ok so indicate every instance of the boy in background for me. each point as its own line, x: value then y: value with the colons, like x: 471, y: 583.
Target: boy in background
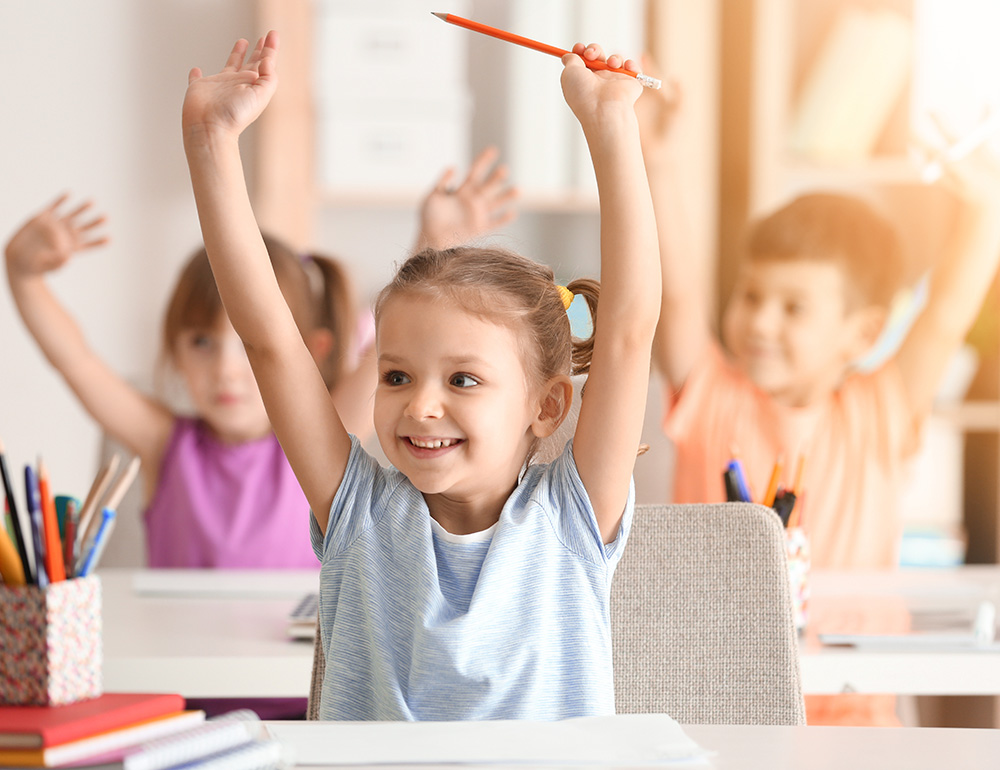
x: 812, y: 294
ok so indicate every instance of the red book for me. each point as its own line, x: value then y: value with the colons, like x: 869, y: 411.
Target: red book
x: 34, y: 727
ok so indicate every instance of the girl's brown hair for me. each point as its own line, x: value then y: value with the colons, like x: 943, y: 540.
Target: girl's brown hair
x: 319, y: 301
x: 507, y: 289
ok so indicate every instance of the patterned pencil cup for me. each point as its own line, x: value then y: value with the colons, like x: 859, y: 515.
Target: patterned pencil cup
x: 50, y: 643
x: 797, y: 545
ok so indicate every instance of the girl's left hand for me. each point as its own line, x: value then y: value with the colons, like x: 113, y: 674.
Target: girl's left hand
x: 231, y: 100
x: 586, y: 90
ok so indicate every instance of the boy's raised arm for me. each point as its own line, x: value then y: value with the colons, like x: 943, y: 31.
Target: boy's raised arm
x: 216, y: 110
x: 959, y: 281
x: 611, y: 415
x: 683, y: 330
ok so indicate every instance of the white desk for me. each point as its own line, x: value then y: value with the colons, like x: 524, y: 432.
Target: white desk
x: 849, y: 601
x: 222, y: 634
x: 212, y: 641
x: 816, y: 748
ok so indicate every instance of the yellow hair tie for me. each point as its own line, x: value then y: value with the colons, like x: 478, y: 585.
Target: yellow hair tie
x: 566, y: 295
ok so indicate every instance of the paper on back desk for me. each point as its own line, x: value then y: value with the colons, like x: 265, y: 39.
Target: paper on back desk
x: 622, y: 740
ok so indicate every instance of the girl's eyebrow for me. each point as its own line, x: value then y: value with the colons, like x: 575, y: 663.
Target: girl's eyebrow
x: 460, y: 360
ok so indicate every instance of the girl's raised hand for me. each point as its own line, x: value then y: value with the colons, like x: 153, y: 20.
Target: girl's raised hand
x: 48, y: 240
x: 587, y: 90
x: 451, y: 216
x: 231, y: 100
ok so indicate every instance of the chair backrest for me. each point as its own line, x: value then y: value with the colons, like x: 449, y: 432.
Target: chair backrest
x: 701, y: 617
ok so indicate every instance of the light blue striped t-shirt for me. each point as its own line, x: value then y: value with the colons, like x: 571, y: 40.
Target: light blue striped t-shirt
x: 417, y: 624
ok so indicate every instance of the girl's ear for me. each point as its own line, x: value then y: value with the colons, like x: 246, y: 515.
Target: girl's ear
x: 557, y: 398
x: 320, y: 344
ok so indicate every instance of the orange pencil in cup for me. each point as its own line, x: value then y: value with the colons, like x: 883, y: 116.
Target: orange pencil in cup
x: 772, y: 485
x: 527, y: 42
x: 53, y: 545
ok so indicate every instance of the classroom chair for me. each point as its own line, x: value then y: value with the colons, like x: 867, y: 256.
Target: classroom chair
x: 701, y: 619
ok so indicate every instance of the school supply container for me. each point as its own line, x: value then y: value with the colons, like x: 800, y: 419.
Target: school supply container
x: 797, y: 545
x: 50, y: 642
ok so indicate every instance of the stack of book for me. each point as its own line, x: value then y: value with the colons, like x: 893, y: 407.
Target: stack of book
x: 132, y: 731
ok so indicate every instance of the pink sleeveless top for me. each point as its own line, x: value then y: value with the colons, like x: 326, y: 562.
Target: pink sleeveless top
x: 226, y: 506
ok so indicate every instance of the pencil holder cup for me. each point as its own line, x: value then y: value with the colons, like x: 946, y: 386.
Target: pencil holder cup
x: 797, y: 547
x: 50, y: 643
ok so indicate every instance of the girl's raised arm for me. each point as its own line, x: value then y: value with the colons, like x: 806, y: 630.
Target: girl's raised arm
x: 216, y: 110
x: 611, y: 415
x: 45, y: 243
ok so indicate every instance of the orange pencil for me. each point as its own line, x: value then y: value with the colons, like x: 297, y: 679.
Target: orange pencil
x: 797, y: 489
x: 772, y: 485
x: 527, y: 42
x: 50, y: 525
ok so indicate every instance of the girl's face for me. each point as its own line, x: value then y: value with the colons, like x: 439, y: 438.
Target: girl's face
x: 219, y: 380
x: 789, y: 328
x: 453, y: 408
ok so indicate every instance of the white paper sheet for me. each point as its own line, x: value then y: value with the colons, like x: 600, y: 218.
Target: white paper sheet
x: 627, y: 740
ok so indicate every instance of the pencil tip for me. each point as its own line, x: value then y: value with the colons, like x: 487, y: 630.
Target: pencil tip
x: 439, y: 15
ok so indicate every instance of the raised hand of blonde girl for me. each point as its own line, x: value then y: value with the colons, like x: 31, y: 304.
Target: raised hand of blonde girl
x: 229, y: 101
x: 48, y: 240
x: 588, y: 90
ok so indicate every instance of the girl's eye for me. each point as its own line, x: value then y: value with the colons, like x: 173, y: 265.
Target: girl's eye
x: 463, y: 381
x: 201, y: 341
x: 395, y: 378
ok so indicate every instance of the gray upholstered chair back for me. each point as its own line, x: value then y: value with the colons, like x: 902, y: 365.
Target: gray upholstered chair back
x: 701, y: 617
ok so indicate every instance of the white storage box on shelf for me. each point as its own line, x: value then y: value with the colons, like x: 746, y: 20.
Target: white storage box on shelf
x: 365, y: 51
x: 398, y: 147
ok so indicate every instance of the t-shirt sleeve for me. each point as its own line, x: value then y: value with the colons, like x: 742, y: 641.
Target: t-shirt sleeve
x: 561, y: 494
x: 355, y: 507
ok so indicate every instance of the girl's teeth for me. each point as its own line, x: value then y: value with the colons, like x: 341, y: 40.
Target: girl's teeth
x: 432, y: 444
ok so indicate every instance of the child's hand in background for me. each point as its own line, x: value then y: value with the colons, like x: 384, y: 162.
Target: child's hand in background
x: 482, y: 202
x: 48, y: 240
x: 588, y: 92
x: 231, y: 100
x: 657, y: 110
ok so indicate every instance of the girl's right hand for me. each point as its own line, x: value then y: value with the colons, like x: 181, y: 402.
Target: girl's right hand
x: 228, y: 102
x: 48, y: 240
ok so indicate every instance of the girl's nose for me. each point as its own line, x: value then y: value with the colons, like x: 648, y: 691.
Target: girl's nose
x: 231, y: 359
x: 425, y: 404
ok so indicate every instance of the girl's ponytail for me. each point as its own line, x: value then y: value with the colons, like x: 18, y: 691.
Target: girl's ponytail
x: 583, y: 348
x: 335, y: 311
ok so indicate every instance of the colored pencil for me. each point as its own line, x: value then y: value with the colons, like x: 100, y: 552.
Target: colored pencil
x: 89, y: 506
x: 799, y: 471
x: 69, y: 539
x: 19, y: 526
x: 50, y: 527
x: 34, y: 507
x: 114, y: 498
x: 11, y: 569
x: 772, y: 485
x: 527, y: 42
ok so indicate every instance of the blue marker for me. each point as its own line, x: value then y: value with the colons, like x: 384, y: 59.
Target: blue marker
x: 37, y: 528
x: 100, y: 539
x: 736, y: 467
